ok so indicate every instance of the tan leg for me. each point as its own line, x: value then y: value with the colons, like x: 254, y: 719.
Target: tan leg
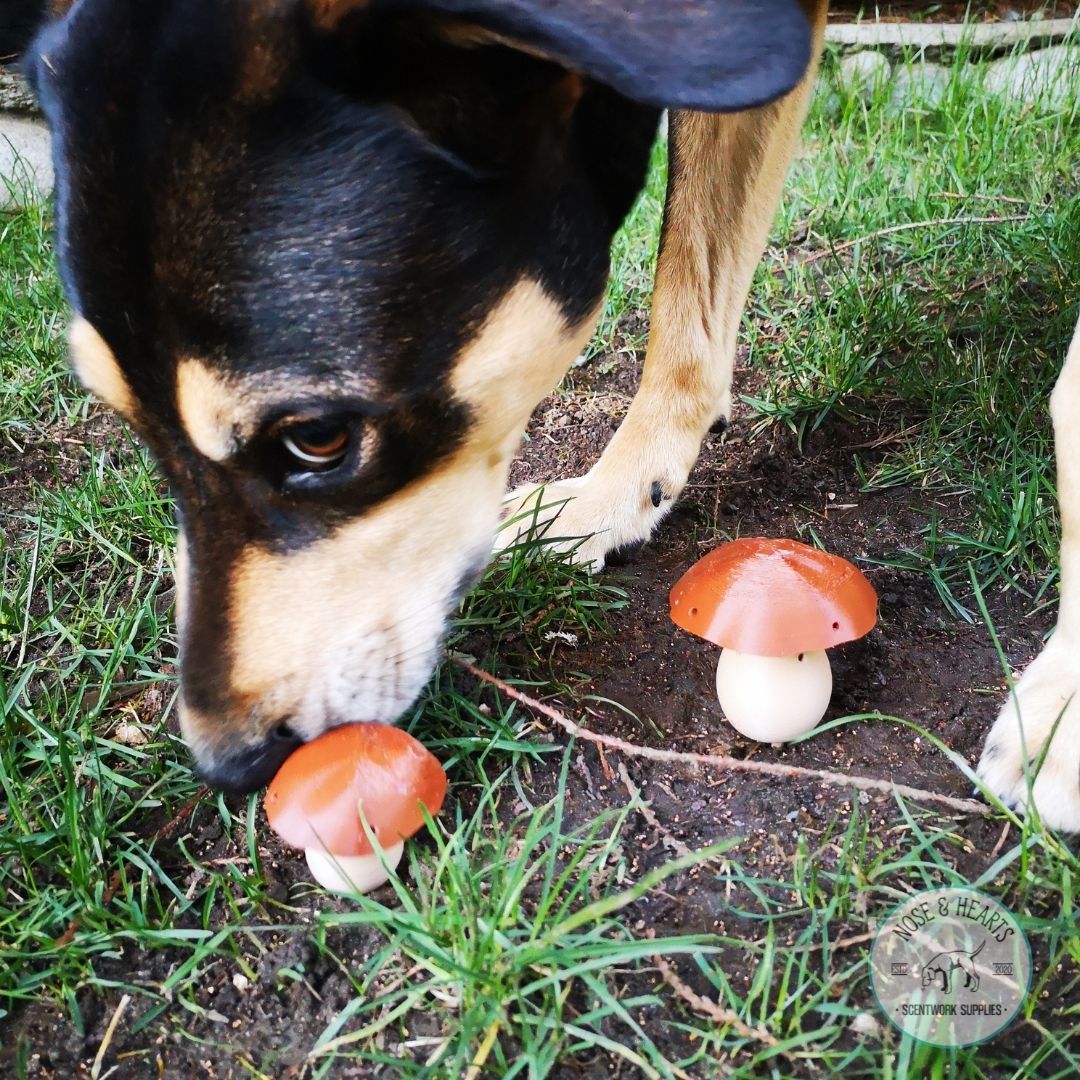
x: 1048, y: 694
x: 726, y: 176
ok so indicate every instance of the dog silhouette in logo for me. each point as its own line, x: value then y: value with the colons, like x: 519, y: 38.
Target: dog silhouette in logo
x: 942, y: 966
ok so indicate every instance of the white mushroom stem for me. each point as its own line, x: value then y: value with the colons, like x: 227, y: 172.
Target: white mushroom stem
x: 773, y: 698
x: 351, y: 874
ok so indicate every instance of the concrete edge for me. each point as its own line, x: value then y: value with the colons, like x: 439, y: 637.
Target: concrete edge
x: 947, y: 37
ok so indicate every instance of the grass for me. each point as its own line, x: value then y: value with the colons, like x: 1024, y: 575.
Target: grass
x: 516, y: 944
x: 512, y: 920
x: 948, y: 334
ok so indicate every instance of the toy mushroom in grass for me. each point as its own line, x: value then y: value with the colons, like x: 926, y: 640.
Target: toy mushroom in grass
x: 318, y: 796
x: 775, y: 606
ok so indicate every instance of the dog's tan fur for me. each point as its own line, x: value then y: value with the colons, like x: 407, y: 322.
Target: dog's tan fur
x: 1065, y: 410
x: 326, y: 14
x: 215, y: 412
x: 1043, y: 717
x: 727, y: 175
x: 97, y: 369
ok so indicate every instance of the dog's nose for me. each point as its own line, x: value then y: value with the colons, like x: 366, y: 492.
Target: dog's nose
x: 253, y: 766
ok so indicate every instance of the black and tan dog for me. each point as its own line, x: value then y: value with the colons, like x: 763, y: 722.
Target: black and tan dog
x: 327, y: 255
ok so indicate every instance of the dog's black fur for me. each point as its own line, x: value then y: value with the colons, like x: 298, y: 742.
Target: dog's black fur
x: 363, y: 218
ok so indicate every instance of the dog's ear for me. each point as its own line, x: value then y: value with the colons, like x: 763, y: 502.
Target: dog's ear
x: 712, y: 55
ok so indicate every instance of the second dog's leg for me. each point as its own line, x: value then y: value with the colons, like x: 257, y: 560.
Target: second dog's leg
x: 726, y: 173
x: 1043, y: 716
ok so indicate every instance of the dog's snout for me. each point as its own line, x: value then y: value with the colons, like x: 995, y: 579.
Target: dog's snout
x: 251, y: 767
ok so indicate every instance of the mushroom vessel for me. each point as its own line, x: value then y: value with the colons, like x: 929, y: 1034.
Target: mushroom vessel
x: 371, y: 771
x: 774, y: 606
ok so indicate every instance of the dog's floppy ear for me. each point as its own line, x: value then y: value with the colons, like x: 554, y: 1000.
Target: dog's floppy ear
x: 713, y: 55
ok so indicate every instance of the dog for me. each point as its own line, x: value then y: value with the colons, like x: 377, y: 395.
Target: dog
x: 940, y: 969
x: 326, y: 256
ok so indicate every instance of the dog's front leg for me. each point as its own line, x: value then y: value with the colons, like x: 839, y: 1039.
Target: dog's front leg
x: 1043, y: 715
x: 725, y: 178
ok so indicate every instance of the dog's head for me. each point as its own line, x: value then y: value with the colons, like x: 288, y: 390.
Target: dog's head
x: 326, y: 257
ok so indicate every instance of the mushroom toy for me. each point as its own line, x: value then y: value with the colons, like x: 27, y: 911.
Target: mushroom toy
x: 318, y: 796
x: 774, y: 606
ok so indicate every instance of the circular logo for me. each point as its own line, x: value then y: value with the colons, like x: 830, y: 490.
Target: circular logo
x: 950, y: 967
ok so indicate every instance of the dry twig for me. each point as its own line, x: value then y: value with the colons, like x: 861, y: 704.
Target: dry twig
x: 907, y: 227
x: 829, y: 946
x: 649, y: 814
x: 706, y: 1007
x: 721, y: 761
x: 99, y: 1057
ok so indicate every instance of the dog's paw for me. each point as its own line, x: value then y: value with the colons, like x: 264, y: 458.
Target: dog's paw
x: 1048, y: 690
x: 584, y: 517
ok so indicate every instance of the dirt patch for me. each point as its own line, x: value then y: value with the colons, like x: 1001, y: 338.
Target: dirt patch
x: 919, y: 663
x: 56, y: 457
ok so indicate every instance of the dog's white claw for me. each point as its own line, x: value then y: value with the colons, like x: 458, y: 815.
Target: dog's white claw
x: 1048, y: 689
x: 581, y: 516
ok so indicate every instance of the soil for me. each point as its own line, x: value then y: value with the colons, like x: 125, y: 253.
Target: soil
x: 920, y: 662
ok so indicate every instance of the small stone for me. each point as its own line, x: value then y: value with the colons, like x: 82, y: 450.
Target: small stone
x: 865, y: 1025
x: 920, y: 84
x: 15, y: 96
x: 864, y: 70
x: 1044, y: 76
x: 129, y: 734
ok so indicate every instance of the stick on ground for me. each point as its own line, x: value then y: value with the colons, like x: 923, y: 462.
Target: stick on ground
x: 721, y: 761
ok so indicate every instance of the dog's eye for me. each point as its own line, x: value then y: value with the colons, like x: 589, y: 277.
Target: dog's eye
x: 317, y: 444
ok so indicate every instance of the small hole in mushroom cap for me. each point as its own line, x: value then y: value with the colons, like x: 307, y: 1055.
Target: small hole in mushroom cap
x: 801, y: 655
x: 693, y: 611
x: 836, y: 626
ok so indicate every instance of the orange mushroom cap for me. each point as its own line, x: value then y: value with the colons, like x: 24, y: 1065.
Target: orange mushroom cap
x: 774, y: 598
x: 316, y: 797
